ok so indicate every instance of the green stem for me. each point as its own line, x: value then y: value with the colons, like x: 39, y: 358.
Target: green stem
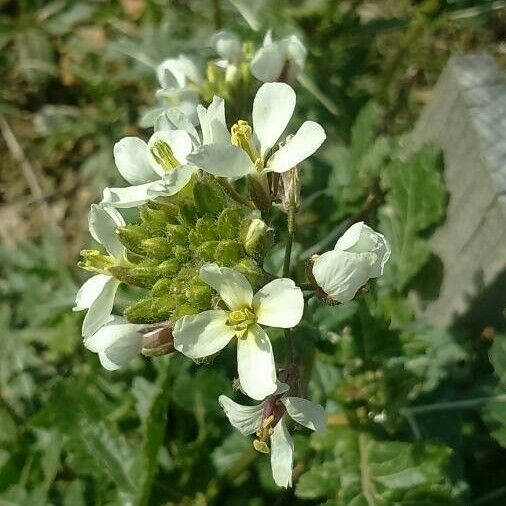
x: 233, y: 193
x: 286, y: 269
x: 216, y: 14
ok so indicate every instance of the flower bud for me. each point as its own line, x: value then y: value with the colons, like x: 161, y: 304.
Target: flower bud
x: 141, y: 276
x: 360, y: 254
x: 209, y: 197
x: 256, y: 237
x: 228, y: 252
x: 157, y: 247
x: 157, y: 341
x: 131, y: 237
x: 151, y: 309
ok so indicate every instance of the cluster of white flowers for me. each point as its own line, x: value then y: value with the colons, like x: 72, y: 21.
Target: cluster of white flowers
x: 190, y: 141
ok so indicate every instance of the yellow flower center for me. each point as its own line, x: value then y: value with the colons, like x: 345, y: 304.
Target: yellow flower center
x: 242, y: 136
x: 164, y: 155
x: 240, y: 320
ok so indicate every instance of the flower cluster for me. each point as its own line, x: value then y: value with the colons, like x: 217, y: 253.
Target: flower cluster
x: 205, y: 193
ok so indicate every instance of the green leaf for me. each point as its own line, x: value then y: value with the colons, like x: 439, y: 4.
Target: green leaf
x: 414, y: 202
x: 154, y: 428
x: 360, y: 470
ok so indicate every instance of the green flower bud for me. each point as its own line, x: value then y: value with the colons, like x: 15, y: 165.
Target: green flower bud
x: 168, y: 268
x: 94, y: 261
x: 157, y: 247
x: 177, y: 234
x: 209, y: 197
x: 228, y: 252
x: 205, y: 229
x: 207, y: 250
x: 144, y: 277
x: 199, y: 293
x: 229, y: 222
x: 181, y: 253
x: 154, y: 219
x: 256, y: 237
x: 251, y: 270
x: 184, y: 310
x: 131, y: 237
x: 151, y: 310
x: 187, y: 213
x: 161, y: 287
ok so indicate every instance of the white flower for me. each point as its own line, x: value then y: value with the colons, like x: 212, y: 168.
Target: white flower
x: 229, y: 48
x: 267, y: 421
x: 179, y: 79
x: 153, y: 169
x: 278, y: 304
x: 249, y: 150
x: 282, y: 60
x: 116, y: 343
x: 97, y: 293
x: 360, y: 254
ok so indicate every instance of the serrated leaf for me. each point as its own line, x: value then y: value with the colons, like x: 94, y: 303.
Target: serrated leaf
x: 415, y: 201
x: 359, y: 469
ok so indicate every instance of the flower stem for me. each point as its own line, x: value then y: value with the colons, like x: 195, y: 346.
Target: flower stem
x: 233, y: 193
x: 292, y: 208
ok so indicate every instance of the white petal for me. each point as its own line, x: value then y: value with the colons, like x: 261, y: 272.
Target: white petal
x: 227, y: 45
x: 190, y: 69
x: 130, y: 196
x: 102, y: 223
x: 249, y: 11
x: 212, y: 122
x: 131, y: 158
x: 255, y: 364
x: 101, y: 308
x: 201, y: 335
x: 279, y: 304
x: 305, y: 412
x: 267, y: 63
x: 360, y: 238
x: 246, y: 419
x: 272, y: 109
x: 232, y: 286
x: 340, y: 274
x: 174, y: 119
x: 303, y: 144
x: 172, y: 181
x: 89, y: 291
x: 117, y: 342
x: 223, y: 160
x: 170, y: 74
x: 281, y: 455
x: 179, y: 142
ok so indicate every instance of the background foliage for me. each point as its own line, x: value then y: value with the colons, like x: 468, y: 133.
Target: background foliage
x: 416, y: 414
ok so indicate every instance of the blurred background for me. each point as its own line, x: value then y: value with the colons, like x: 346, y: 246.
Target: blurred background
x: 76, y: 76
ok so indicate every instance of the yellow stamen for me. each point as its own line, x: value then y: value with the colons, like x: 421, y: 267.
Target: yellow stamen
x: 242, y: 136
x: 263, y: 434
x: 241, y: 319
x: 164, y: 155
